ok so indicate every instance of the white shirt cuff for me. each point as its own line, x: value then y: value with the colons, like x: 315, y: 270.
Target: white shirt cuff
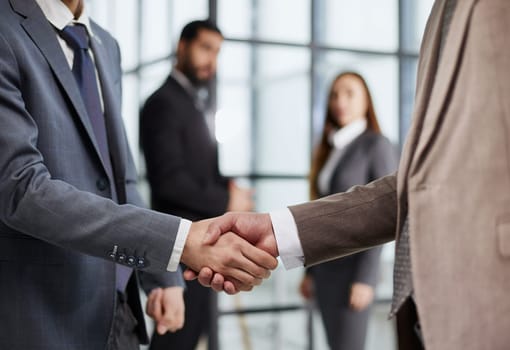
x: 180, y: 240
x: 287, y: 239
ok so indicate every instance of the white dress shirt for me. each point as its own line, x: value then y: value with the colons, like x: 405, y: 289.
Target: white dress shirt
x: 59, y: 15
x: 339, y: 139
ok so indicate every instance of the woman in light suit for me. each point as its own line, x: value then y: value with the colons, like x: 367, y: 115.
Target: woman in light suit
x: 352, y: 152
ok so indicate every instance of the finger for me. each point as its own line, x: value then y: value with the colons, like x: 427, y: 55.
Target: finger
x: 171, y: 321
x: 237, y: 259
x: 230, y: 288
x: 233, y: 286
x: 189, y: 275
x: 219, y: 226
x: 261, y: 258
x: 217, y: 282
x: 205, y: 276
x: 149, y: 307
x: 161, y: 329
x: 249, y: 261
x: 157, y: 307
x: 150, y: 301
x: 155, y: 304
x: 247, y: 280
x: 253, y: 269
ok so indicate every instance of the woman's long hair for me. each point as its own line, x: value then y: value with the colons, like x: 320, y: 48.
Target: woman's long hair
x: 323, y: 150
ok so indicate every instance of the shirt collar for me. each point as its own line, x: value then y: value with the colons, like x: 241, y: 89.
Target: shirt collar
x: 59, y: 15
x: 348, y: 133
x: 183, y: 81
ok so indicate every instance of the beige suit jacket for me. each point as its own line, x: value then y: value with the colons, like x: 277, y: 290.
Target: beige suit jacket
x: 453, y: 182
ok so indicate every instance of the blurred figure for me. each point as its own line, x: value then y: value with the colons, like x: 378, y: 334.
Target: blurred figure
x: 352, y: 152
x: 177, y: 138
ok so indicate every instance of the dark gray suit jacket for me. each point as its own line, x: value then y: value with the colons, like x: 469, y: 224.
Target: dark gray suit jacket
x: 182, y: 169
x: 60, y: 229
x: 181, y: 156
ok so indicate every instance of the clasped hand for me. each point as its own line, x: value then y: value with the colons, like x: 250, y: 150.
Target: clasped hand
x: 231, y: 253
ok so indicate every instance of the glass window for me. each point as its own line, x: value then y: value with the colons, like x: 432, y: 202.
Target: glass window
x: 130, y: 107
x: 361, y: 24
x: 152, y: 77
x: 235, y: 18
x: 276, y: 194
x: 126, y: 32
x: 271, y: 105
x: 282, y: 110
x: 234, y: 109
x: 282, y: 20
x: 421, y: 14
x: 408, y: 88
x: 102, y: 12
x: 156, y: 41
x: 121, y: 19
x: 184, y: 11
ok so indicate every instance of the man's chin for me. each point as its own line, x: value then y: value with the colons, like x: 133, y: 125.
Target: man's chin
x: 204, y: 79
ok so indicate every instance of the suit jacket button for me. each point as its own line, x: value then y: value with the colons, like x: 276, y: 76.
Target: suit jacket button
x: 121, y: 258
x: 140, y: 263
x: 102, y: 184
x: 131, y: 260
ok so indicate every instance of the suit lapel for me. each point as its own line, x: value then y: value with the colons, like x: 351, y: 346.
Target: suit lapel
x: 44, y: 36
x: 426, y: 73
x: 112, y: 112
x: 446, y: 72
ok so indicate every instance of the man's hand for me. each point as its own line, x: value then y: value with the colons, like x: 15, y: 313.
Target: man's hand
x: 306, y: 287
x: 231, y: 256
x: 362, y: 296
x: 254, y: 228
x: 166, y: 307
x: 240, y: 199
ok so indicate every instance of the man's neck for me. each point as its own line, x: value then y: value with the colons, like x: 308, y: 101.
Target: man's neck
x: 76, y: 7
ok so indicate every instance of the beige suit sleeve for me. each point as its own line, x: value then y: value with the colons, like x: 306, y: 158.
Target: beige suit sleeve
x: 342, y: 224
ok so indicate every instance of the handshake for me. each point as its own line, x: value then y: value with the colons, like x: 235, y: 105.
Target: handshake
x: 231, y: 253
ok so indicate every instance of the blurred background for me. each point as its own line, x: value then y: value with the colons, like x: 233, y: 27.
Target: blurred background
x: 275, y: 67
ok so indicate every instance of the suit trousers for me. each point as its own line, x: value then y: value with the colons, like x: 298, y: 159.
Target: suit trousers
x: 123, y: 335
x: 408, y: 327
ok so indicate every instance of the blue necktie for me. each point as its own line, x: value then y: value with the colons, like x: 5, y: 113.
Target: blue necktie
x: 85, y: 74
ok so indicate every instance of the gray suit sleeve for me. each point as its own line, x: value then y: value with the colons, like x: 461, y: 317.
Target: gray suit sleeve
x: 35, y: 203
x: 149, y: 281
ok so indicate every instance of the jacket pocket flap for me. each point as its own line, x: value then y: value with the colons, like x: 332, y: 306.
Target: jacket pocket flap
x: 503, y: 237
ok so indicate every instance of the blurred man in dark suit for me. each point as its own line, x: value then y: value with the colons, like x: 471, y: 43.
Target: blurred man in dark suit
x: 178, y: 139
